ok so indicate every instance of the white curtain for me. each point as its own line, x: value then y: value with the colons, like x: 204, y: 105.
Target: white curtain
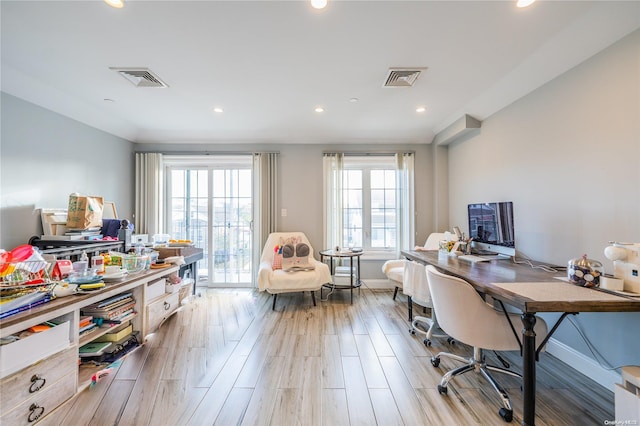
x: 265, y: 201
x: 405, y: 225
x: 149, y: 193
x: 332, y: 192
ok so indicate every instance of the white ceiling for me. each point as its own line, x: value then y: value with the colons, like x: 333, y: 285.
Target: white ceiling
x: 269, y: 64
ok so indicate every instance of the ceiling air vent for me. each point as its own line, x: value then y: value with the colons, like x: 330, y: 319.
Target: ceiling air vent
x: 140, y: 77
x: 402, y: 77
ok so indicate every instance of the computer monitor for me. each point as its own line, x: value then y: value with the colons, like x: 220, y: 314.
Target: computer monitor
x: 491, y: 227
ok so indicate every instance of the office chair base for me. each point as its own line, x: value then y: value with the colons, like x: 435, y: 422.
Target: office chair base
x: 477, y: 363
x: 417, y: 326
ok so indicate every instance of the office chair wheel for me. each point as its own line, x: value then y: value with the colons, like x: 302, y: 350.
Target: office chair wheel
x: 427, y: 342
x: 412, y: 331
x: 442, y: 390
x: 507, y: 415
x: 435, y: 362
x: 450, y: 340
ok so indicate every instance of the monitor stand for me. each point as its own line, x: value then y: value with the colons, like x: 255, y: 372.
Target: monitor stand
x: 490, y: 255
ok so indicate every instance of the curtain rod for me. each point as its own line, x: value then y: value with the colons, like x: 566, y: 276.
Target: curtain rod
x: 369, y: 154
x: 207, y: 152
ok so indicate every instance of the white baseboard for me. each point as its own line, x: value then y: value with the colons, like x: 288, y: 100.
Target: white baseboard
x: 584, y: 364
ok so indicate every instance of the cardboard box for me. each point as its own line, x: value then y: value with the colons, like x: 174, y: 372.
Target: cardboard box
x: 22, y: 353
x: 169, y: 252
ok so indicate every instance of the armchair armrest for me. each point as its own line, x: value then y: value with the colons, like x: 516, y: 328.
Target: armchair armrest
x: 264, y: 270
x: 390, y: 264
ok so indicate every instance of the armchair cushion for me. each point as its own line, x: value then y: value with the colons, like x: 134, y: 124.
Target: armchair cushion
x: 282, y: 281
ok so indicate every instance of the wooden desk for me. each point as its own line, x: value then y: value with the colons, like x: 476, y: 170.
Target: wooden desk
x: 532, y: 291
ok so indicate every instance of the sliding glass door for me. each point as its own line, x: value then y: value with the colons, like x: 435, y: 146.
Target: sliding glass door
x: 210, y: 203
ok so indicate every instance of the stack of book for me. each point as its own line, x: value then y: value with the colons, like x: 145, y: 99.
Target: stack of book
x: 11, y: 304
x: 114, y: 310
x: 86, y: 325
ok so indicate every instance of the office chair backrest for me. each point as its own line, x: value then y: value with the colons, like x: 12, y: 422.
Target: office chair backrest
x: 465, y: 316
x: 433, y: 241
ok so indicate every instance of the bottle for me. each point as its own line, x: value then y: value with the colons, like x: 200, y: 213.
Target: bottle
x: 138, y: 247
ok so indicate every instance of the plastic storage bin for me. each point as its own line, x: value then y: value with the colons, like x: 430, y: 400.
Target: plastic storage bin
x: 628, y: 396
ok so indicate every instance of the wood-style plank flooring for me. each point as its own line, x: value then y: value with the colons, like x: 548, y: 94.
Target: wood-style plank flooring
x: 227, y: 359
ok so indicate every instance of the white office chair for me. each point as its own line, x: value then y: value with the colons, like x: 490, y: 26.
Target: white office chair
x: 394, y: 269
x: 416, y: 288
x: 464, y: 315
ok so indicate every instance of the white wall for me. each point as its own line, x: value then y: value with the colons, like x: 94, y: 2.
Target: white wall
x: 44, y: 157
x: 568, y: 156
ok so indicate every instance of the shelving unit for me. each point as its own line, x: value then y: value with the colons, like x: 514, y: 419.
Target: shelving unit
x: 57, y: 376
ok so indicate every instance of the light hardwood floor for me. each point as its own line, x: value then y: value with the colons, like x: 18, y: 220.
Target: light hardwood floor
x: 227, y: 359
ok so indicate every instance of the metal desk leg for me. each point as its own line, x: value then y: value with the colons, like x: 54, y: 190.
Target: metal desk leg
x: 529, y: 369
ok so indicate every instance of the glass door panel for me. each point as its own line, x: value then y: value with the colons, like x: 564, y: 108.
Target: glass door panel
x: 213, y: 207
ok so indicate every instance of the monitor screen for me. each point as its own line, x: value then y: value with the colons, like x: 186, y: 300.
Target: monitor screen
x: 491, y: 227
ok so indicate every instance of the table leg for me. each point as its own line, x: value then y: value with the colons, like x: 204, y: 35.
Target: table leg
x: 351, y: 278
x: 529, y: 369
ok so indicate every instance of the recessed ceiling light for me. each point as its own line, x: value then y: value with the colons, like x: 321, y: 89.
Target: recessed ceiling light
x: 318, y: 4
x: 115, y: 3
x: 421, y: 109
x: 524, y: 3
x: 218, y: 110
x: 354, y: 100
x: 319, y: 109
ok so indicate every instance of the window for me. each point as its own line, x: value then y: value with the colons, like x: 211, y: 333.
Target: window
x: 369, y: 203
x: 364, y: 199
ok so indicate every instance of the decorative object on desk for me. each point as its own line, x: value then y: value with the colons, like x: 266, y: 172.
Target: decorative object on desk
x: 450, y: 245
x: 585, y: 272
x: 626, y: 264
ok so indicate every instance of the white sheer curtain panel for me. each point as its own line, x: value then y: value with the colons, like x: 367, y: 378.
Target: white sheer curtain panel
x: 405, y: 196
x: 332, y: 169
x: 265, y: 201
x: 149, y: 193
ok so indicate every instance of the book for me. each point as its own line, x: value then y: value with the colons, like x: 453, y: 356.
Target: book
x: 112, y: 313
x: 115, y: 335
x: 87, y: 327
x: 84, y: 321
x: 93, y: 348
x: 108, y: 301
x: 104, y: 309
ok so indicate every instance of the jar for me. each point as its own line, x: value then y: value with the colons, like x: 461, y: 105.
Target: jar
x: 585, y: 272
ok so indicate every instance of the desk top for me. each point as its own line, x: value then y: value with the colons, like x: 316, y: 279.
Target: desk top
x: 531, y: 290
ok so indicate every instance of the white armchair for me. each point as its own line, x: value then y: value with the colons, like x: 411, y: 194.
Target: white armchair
x: 276, y: 281
x: 394, y: 269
